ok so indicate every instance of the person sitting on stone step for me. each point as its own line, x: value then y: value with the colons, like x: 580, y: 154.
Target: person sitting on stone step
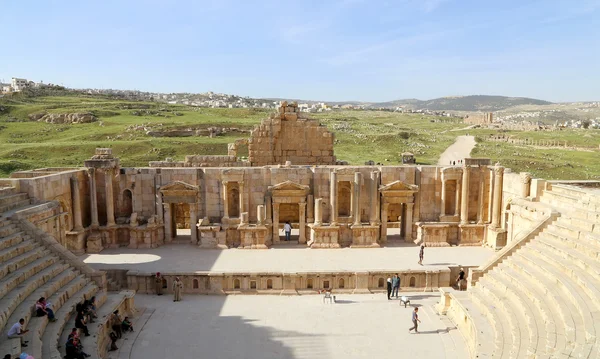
x: 17, y: 331
x: 41, y: 309
x: 126, y: 325
x: 80, y: 323
x: 113, y: 341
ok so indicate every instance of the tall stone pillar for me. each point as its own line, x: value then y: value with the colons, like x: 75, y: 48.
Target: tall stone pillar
x: 93, y: 198
x: 464, y: 201
x: 110, y: 202
x: 374, y: 197
x: 356, y: 207
x: 443, y: 201
x: 76, y: 199
x: 168, y: 222
x: 384, y: 218
x: 269, y: 209
x: 260, y: 214
x: 225, y: 201
x: 275, y: 222
x: 408, y: 219
x: 159, y: 206
x: 333, y: 200
x: 310, y: 216
x: 242, y: 197
x: 457, y: 196
x: 193, y: 223
x: 318, y: 211
x: 497, y: 201
x: 490, y: 199
x: 302, y: 234
x: 480, y: 205
x: 525, y: 184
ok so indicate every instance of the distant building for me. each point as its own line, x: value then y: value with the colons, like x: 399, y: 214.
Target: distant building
x: 18, y: 84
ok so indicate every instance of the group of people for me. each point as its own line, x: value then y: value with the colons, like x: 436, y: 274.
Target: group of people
x: 85, y: 313
x: 159, y: 285
x: 453, y: 163
x: 118, y: 326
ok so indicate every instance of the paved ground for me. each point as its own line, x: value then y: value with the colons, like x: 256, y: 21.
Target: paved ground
x: 295, y: 327
x: 459, y: 150
x: 189, y: 258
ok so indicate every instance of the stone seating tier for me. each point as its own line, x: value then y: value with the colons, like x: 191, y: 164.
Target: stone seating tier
x: 542, y: 300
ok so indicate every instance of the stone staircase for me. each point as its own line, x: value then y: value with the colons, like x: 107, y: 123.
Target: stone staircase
x: 32, y: 267
x: 543, y: 301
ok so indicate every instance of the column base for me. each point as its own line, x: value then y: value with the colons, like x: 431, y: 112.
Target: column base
x: 76, y: 242
x: 365, y: 236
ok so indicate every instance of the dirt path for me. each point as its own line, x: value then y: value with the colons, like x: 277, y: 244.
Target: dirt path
x: 458, y: 150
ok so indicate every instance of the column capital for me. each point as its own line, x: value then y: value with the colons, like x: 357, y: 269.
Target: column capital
x: 498, y: 170
x: 525, y: 177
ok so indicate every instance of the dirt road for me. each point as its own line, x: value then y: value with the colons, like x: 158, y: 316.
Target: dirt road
x: 458, y: 150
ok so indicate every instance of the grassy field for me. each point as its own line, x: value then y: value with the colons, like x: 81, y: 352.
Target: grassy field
x: 360, y: 136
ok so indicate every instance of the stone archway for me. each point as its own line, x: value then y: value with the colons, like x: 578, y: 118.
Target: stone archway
x: 176, y: 193
x: 401, y: 196
x: 289, y: 194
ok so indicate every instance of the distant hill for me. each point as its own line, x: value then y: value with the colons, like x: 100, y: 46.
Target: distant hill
x: 463, y: 103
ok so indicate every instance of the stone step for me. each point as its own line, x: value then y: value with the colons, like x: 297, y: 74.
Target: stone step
x: 559, y: 200
x: 568, y: 190
x: 501, y: 309
x: 51, y: 336
x: 14, y: 279
x: 489, y: 342
x: 8, y: 229
x: 554, y: 318
x: 5, y: 191
x: 15, y: 205
x: 582, y: 224
x: 585, y: 245
x: 563, y: 252
x: 17, y: 250
x: 577, y: 232
x: 585, y: 214
x: 523, y: 309
x: 580, y: 306
x: 112, y: 302
x: 503, y: 338
x: 12, y: 239
x: 15, y: 297
x: 21, y: 261
x: 13, y: 198
x: 552, y: 335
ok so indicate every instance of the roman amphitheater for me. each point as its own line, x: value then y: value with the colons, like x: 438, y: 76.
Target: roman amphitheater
x: 530, y: 248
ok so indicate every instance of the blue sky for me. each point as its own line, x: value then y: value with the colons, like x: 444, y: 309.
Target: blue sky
x: 332, y: 50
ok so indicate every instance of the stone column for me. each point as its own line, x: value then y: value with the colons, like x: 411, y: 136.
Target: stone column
x: 457, y: 196
x: 318, y: 211
x: 159, y: 205
x: 497, y: 201
x: 268, y: 209
x: 356, y: 212
x: 93, y: 198
x: 225, y: 201
x: 482, y: 171
x: 333, y: 193
x: 525, y: 183
x: 310, y: 216
x: 242, y: 199
x: 110, y: 204
x: 194, y: 222
x: 374, y: 211
x: 302, y: 236
x: 168, y: 222
x: 408, y: 225
x: 384, y: 216
x: 464, y: 201
x: 275, y: 222
x: 443, y: 201
x: 260, y: 214
x: 75, y: 198
x: 490, y: 199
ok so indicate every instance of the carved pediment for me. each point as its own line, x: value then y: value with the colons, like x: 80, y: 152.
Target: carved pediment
x: 179, y: 186
x: 289, y: 186
x: 399, y: 186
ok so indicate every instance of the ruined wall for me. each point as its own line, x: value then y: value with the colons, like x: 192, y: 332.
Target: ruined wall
x: 287, y: 136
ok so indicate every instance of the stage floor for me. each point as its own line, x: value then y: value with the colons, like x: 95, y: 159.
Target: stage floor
x: 187, y: 258
x: 294, y: 327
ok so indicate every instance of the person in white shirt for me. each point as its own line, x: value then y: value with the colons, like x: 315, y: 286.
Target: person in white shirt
x: 16, y: 331
x: 287, y: 228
